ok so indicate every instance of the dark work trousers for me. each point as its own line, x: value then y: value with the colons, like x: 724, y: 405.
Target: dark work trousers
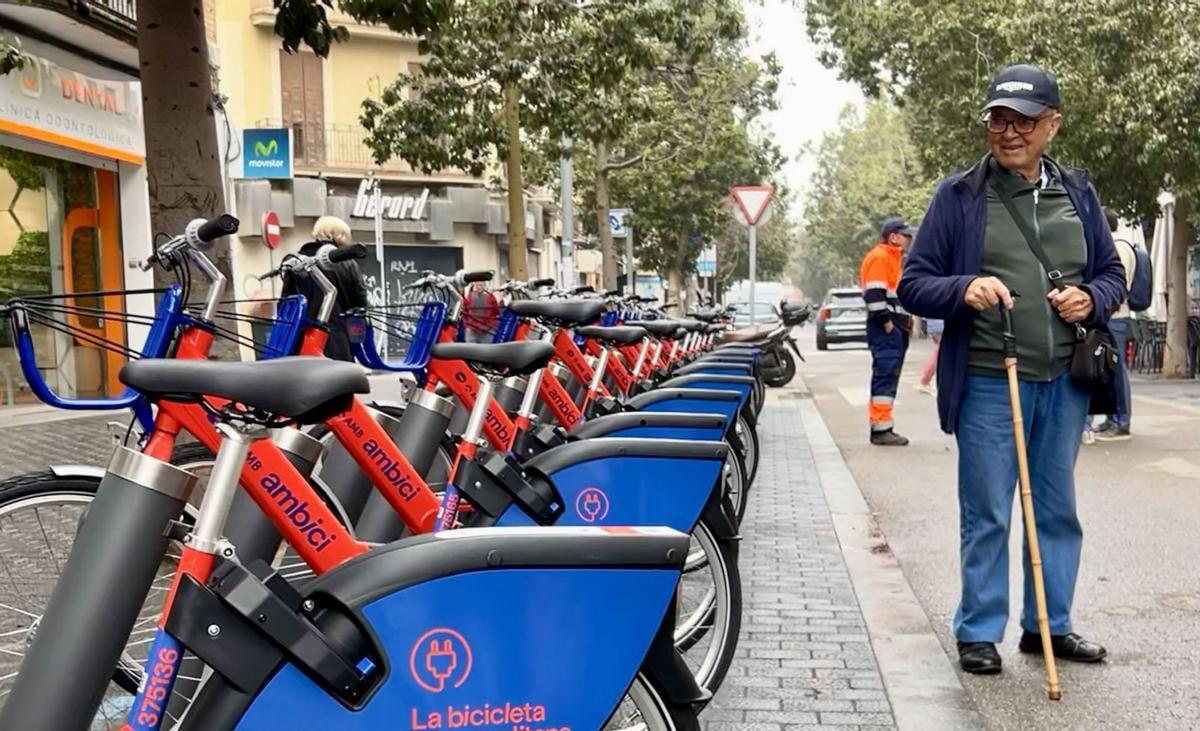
x: 887, y: 358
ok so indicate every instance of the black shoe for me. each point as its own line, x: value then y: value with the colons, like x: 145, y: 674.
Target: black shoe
x: 979, y: 658
x: 1066, y: 647
x: 1114, y: 435
x: 888, y: 438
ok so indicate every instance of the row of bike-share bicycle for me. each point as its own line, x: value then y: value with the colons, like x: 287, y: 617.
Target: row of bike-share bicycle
x: 543, y: 536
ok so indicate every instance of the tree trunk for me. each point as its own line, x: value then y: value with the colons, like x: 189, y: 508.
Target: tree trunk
x: 518, y: 264
x: 1175, y: 364
x: 608, y: 252
x: 676, y: 279
x: 183, y: 162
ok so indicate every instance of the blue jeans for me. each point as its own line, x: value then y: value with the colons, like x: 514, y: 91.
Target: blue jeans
x: 1119, y: 327
x: 1054, y: 413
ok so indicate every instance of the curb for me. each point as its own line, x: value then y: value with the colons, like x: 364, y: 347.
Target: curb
x: 924, y: 689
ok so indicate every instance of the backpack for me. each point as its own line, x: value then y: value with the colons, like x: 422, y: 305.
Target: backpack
x: 1141, y: 289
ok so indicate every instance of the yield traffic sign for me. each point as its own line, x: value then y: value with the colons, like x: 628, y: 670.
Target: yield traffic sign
x: 753, y: 201
x: 270, y: 229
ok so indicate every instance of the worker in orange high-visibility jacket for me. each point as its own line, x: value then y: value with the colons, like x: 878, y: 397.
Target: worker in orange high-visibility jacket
x: 888, y: 326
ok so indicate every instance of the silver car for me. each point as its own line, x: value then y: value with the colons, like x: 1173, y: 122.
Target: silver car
x: 843, y: 318
x: 765, y: 313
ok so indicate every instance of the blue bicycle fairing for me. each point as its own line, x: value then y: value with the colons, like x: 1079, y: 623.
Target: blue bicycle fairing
x: 285, y: 330
x: 506, y: 327
x: 425, y: 334
x: 550, y: 653
x: 670, y: 432
x: 698, y: 405
x: 744, y: 390
x: 622, y: 491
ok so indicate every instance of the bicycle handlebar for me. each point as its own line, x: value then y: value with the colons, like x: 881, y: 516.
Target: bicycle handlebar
x: 201, y: 233
x: 546, y: 282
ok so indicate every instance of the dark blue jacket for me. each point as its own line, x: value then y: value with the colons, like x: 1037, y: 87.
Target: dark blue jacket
x: 948, y: 253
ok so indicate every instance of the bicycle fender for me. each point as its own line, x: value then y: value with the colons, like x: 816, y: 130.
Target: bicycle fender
x: 666, y: 669
x: 87, y: 472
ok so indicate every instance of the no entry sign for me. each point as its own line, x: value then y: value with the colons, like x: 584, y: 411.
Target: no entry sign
x: 270, y: 229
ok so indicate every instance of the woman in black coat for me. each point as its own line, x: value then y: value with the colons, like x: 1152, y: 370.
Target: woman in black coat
x: 345, y: 275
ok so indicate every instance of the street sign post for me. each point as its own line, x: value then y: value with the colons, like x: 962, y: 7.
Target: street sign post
x: 616, y: 222
x: 753, y: 203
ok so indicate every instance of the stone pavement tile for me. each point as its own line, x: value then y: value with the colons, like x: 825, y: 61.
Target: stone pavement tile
x: 804, y: 658
x: 33, y: 447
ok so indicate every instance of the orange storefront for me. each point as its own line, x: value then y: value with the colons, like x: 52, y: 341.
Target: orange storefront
x: 74, y: 213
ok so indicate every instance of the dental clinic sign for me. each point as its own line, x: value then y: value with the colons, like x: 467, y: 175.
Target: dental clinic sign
x: 65, y: 100
x: 405, y: 207
x: 267, y: 153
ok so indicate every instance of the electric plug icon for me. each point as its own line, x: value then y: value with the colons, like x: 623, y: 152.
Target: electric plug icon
x: 591, y: 507
x: 441, y: 660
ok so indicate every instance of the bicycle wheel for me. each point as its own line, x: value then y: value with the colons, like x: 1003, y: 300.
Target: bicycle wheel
x: 39, y: 515
x: 736, y: 488
x: 709, y: 607
x: 749, y: 437
x: 645, y: 709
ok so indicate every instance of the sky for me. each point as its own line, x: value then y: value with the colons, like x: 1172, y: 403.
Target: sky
x: 811, y: 97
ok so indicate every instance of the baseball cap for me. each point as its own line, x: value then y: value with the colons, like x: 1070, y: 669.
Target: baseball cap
x: 896, y: 225
x: 1026, y: 88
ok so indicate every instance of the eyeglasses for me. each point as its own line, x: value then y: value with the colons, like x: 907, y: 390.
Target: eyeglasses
x: 1022, y: 125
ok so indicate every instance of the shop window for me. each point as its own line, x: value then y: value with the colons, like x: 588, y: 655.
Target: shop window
x: 59, y: 233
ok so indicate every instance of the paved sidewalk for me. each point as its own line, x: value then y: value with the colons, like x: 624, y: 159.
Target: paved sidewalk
x: 32, y: 447
x: 805, y: 659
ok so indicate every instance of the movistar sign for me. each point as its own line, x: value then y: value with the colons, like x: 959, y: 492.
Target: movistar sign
x: 267, y: 153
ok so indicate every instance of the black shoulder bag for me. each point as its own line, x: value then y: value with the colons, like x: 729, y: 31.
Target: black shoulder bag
x: 1094, y: 359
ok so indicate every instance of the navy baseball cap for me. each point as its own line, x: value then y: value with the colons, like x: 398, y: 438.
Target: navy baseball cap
x: 1025, y: 88
x: 896, y: 225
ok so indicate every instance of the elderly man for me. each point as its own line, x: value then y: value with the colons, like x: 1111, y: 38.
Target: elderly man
x: 969, y: 258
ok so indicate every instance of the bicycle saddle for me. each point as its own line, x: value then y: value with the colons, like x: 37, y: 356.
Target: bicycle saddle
x: 498, y: 359
x: 660, y: 328
x: 611, y: 335
x: 705, y: 315
x: 304, y: 388
x: 561, y: 313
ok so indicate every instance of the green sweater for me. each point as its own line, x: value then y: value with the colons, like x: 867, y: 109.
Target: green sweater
x: 1044, y: 340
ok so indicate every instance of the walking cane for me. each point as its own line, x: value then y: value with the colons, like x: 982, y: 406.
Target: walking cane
x: 1035, y: 554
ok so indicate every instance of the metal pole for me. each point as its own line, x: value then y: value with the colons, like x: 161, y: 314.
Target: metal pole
x: 753, y: 266
x: 630, y: 269
x: 377, y: 200
x: 566, y: 176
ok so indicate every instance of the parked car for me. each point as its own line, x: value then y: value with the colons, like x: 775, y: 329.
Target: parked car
x: 843, y: 318
x: 765, y: 313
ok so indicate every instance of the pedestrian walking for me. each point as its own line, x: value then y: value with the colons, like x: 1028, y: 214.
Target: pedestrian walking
x: 1116, y: 427
x: 345, y: 275
x: 934, y: 327
x: 971, y: 254
x: 888, y: 326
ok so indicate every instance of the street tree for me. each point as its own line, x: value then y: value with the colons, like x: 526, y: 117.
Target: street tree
x: 498, y: 74
x: 866, y: 169
x: 1127, y: 73
x: 604, y: 95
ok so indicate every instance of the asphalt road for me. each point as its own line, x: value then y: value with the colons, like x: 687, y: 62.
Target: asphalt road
x: 1139, y: 585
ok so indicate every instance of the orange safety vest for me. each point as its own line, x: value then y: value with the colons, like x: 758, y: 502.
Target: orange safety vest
x: 879, y: 278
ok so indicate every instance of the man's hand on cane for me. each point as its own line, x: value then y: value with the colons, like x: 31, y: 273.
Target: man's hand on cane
x: 987, y: 292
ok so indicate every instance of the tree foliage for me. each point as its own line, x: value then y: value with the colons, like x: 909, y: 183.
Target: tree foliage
x: 1131, y: 95
x: 866, y: 169
x: 1127, y: 73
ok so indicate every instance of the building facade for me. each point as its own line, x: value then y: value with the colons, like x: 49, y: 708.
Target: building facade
x: 73, y: 188
x: 311, y: 107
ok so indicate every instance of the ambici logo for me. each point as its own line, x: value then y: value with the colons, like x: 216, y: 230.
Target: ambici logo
x: 592, y: 505
x: 296, y: 511
x: 440, y: 659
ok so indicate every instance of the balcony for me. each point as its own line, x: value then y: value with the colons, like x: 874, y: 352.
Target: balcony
x: 340, y: 150
x: 105, y: 28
